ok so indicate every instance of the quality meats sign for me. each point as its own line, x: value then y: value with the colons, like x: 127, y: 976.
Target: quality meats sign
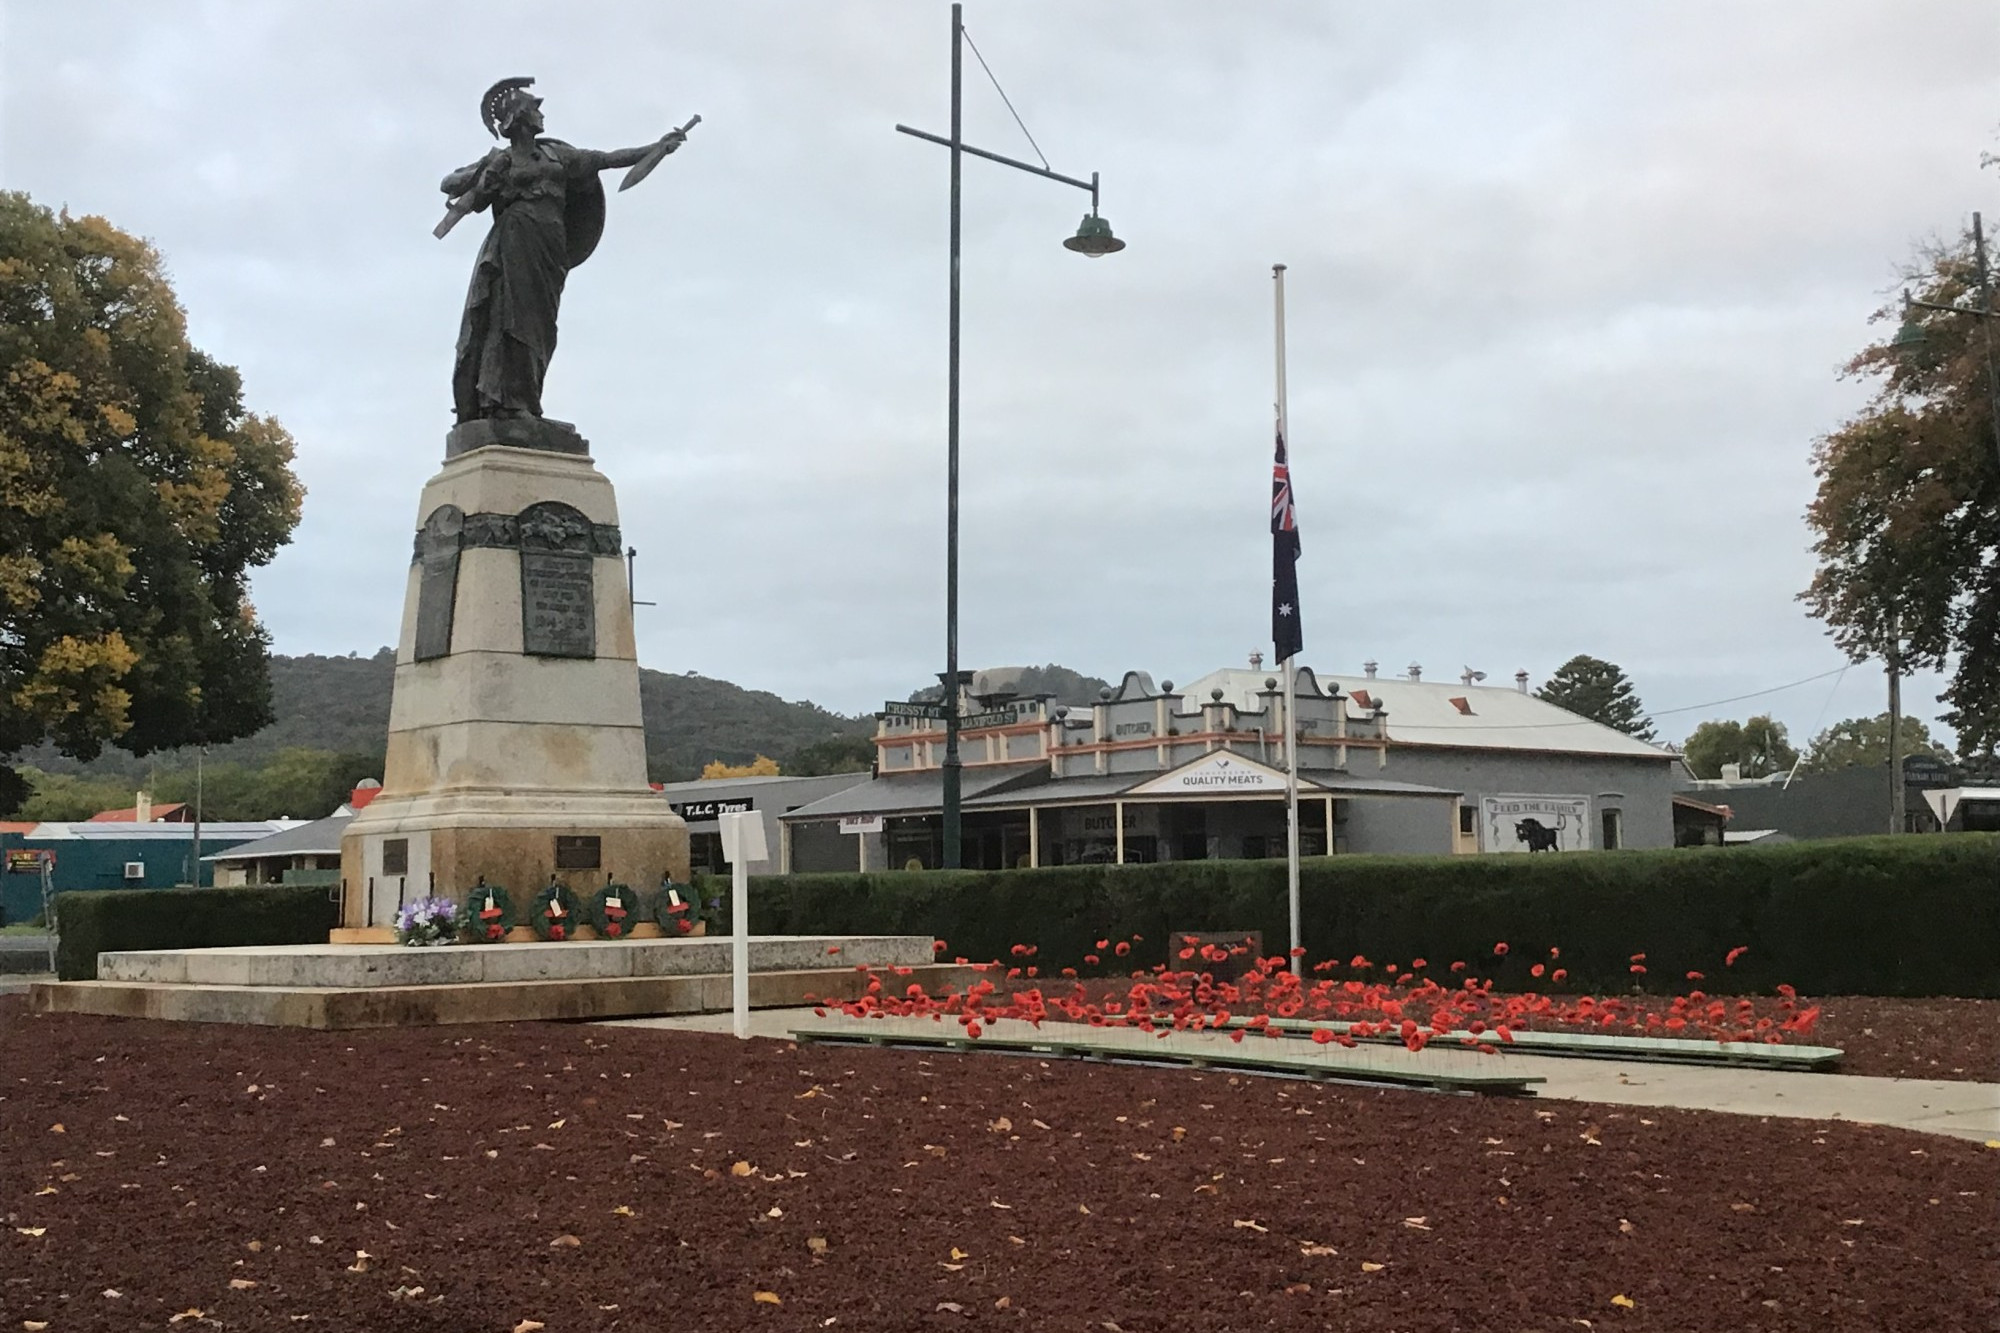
x: 1534, y: 823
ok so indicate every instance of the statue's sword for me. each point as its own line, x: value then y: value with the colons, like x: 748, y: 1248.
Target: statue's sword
x: 644, y: 166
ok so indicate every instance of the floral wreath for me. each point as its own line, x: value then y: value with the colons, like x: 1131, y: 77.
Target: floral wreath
x: 555, y: 915
x: 678, y: 908
x: 614, y: 911
x: 488, y: 911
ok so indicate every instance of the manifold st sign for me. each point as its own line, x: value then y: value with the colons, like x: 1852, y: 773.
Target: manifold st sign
x: 1534, y: 823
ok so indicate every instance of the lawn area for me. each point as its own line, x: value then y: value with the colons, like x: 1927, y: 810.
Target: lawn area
x: 588, y: 1178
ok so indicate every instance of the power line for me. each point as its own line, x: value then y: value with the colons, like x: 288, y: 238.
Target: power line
x: 1663, y: 712
x: 1003, y: 97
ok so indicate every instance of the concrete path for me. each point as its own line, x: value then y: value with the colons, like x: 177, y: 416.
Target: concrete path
x: 1935, y: 1106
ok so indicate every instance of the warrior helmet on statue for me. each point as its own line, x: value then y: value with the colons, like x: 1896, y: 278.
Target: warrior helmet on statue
x: 504, y: 101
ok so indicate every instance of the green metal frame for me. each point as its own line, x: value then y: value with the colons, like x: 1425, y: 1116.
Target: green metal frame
x: 1602, y: 1046
x: 1321, y: 1070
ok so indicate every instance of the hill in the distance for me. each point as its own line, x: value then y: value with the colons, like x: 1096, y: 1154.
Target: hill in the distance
x: 342, y: 704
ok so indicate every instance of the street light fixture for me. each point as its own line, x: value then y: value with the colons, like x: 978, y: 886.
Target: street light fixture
x: 1093, y: 238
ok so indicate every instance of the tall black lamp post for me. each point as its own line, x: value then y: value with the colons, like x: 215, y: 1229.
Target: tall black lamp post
x: 1092, y: 238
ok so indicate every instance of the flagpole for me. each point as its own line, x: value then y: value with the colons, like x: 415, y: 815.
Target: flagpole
x: 1291, y: 675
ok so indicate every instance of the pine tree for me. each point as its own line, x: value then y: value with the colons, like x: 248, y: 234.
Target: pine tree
x: 1600, y: 691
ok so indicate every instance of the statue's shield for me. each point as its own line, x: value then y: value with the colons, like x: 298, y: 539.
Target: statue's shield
x: 583, y: 217
x: 583, y: 209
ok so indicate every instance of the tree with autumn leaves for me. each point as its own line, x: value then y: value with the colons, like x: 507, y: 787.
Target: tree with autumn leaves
x: 136, y: 495
x: 1906, y: 520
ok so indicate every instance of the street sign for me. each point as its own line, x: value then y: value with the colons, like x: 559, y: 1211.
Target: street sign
x: 861, y: 823
x: 977, y: 721
x: 933, y: 712
x: 28, y: 862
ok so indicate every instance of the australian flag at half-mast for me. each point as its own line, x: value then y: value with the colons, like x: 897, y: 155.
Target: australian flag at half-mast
x: 1287, y: 637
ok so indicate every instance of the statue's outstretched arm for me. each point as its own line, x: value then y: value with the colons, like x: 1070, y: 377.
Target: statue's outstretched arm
x: 458, y: 182
x: 605, y: 160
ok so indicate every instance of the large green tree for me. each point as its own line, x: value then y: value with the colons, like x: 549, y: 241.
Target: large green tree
x: 1906, y: 520
x: 1758, y: 747
x: 136, y: 495
x: 1598, y: 690
x: 1864, y: 741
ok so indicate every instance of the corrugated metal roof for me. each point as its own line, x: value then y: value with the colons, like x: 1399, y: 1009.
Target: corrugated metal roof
x: 319, y: 838
x: 1421, y: 713
x: 158, y: 832
x: 909, y: 793
x: 922, y: 793
x: 1109, y: 786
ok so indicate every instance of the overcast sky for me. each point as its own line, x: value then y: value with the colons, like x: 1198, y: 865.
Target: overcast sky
x: 1569, y: 288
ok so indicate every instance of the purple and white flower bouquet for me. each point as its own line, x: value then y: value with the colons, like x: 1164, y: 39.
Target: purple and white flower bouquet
x: 427, y: 921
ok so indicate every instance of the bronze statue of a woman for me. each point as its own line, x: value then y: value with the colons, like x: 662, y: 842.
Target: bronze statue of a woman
x: 548, y: 212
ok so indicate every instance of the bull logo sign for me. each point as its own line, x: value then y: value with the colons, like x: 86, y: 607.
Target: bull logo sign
x: 1534, y: 823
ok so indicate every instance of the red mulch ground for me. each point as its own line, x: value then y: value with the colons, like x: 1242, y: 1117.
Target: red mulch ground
x: 994, y: 1191
x: 1952, y: 1039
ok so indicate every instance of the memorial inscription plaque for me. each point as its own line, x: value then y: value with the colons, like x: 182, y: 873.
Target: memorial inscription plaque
x: 438, y: 545
x: 558, y: 585
x: 578, y: 853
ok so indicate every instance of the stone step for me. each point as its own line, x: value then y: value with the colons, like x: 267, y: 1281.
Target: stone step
x: 390, y: 1005
x: 357, y: 966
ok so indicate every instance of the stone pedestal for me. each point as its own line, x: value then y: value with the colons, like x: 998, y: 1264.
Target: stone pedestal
x: 515, y: 745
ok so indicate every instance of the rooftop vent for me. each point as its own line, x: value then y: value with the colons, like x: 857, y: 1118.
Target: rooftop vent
x: 1368, y: 668
x: 1521, y: 681
x: 1256, y: 661
x: 1470, y: 677
x: 1416, y: 672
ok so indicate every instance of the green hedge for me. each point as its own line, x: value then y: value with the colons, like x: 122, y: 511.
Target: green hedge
x: 110, y: 921
x: 1856, y: 916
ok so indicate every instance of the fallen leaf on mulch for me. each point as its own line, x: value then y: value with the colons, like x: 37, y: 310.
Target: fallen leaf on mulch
x: 742, y: 1169
x: 360, y: 1264
x: 1001, y: 1126
x: 1243, y: 1225
x: 47, y: 1189
x: 1417, y: 1223
x: 57, y: 1129
x: 559, y: 1123
x: 767, y: 1298
x: 1625, y: 1302
x: 1179, y: 1133
x: 1742, y: 1207
x: 530, y: 1326
x: 1004, y: 1303
x: 1298, y: 1289
x: 190, y: 1313
x: 564, y: 1241
x: 240, y: 1284
x: 950, y: 1307
x: 34, y: 1325
x: 817, y: 1244
x: 31, y: 1231
x: 623, y: 1211
x: 1367, y: 1267
x: 113, y: 1294
x: 1317, y: 1251
x: 1625, y: 1228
